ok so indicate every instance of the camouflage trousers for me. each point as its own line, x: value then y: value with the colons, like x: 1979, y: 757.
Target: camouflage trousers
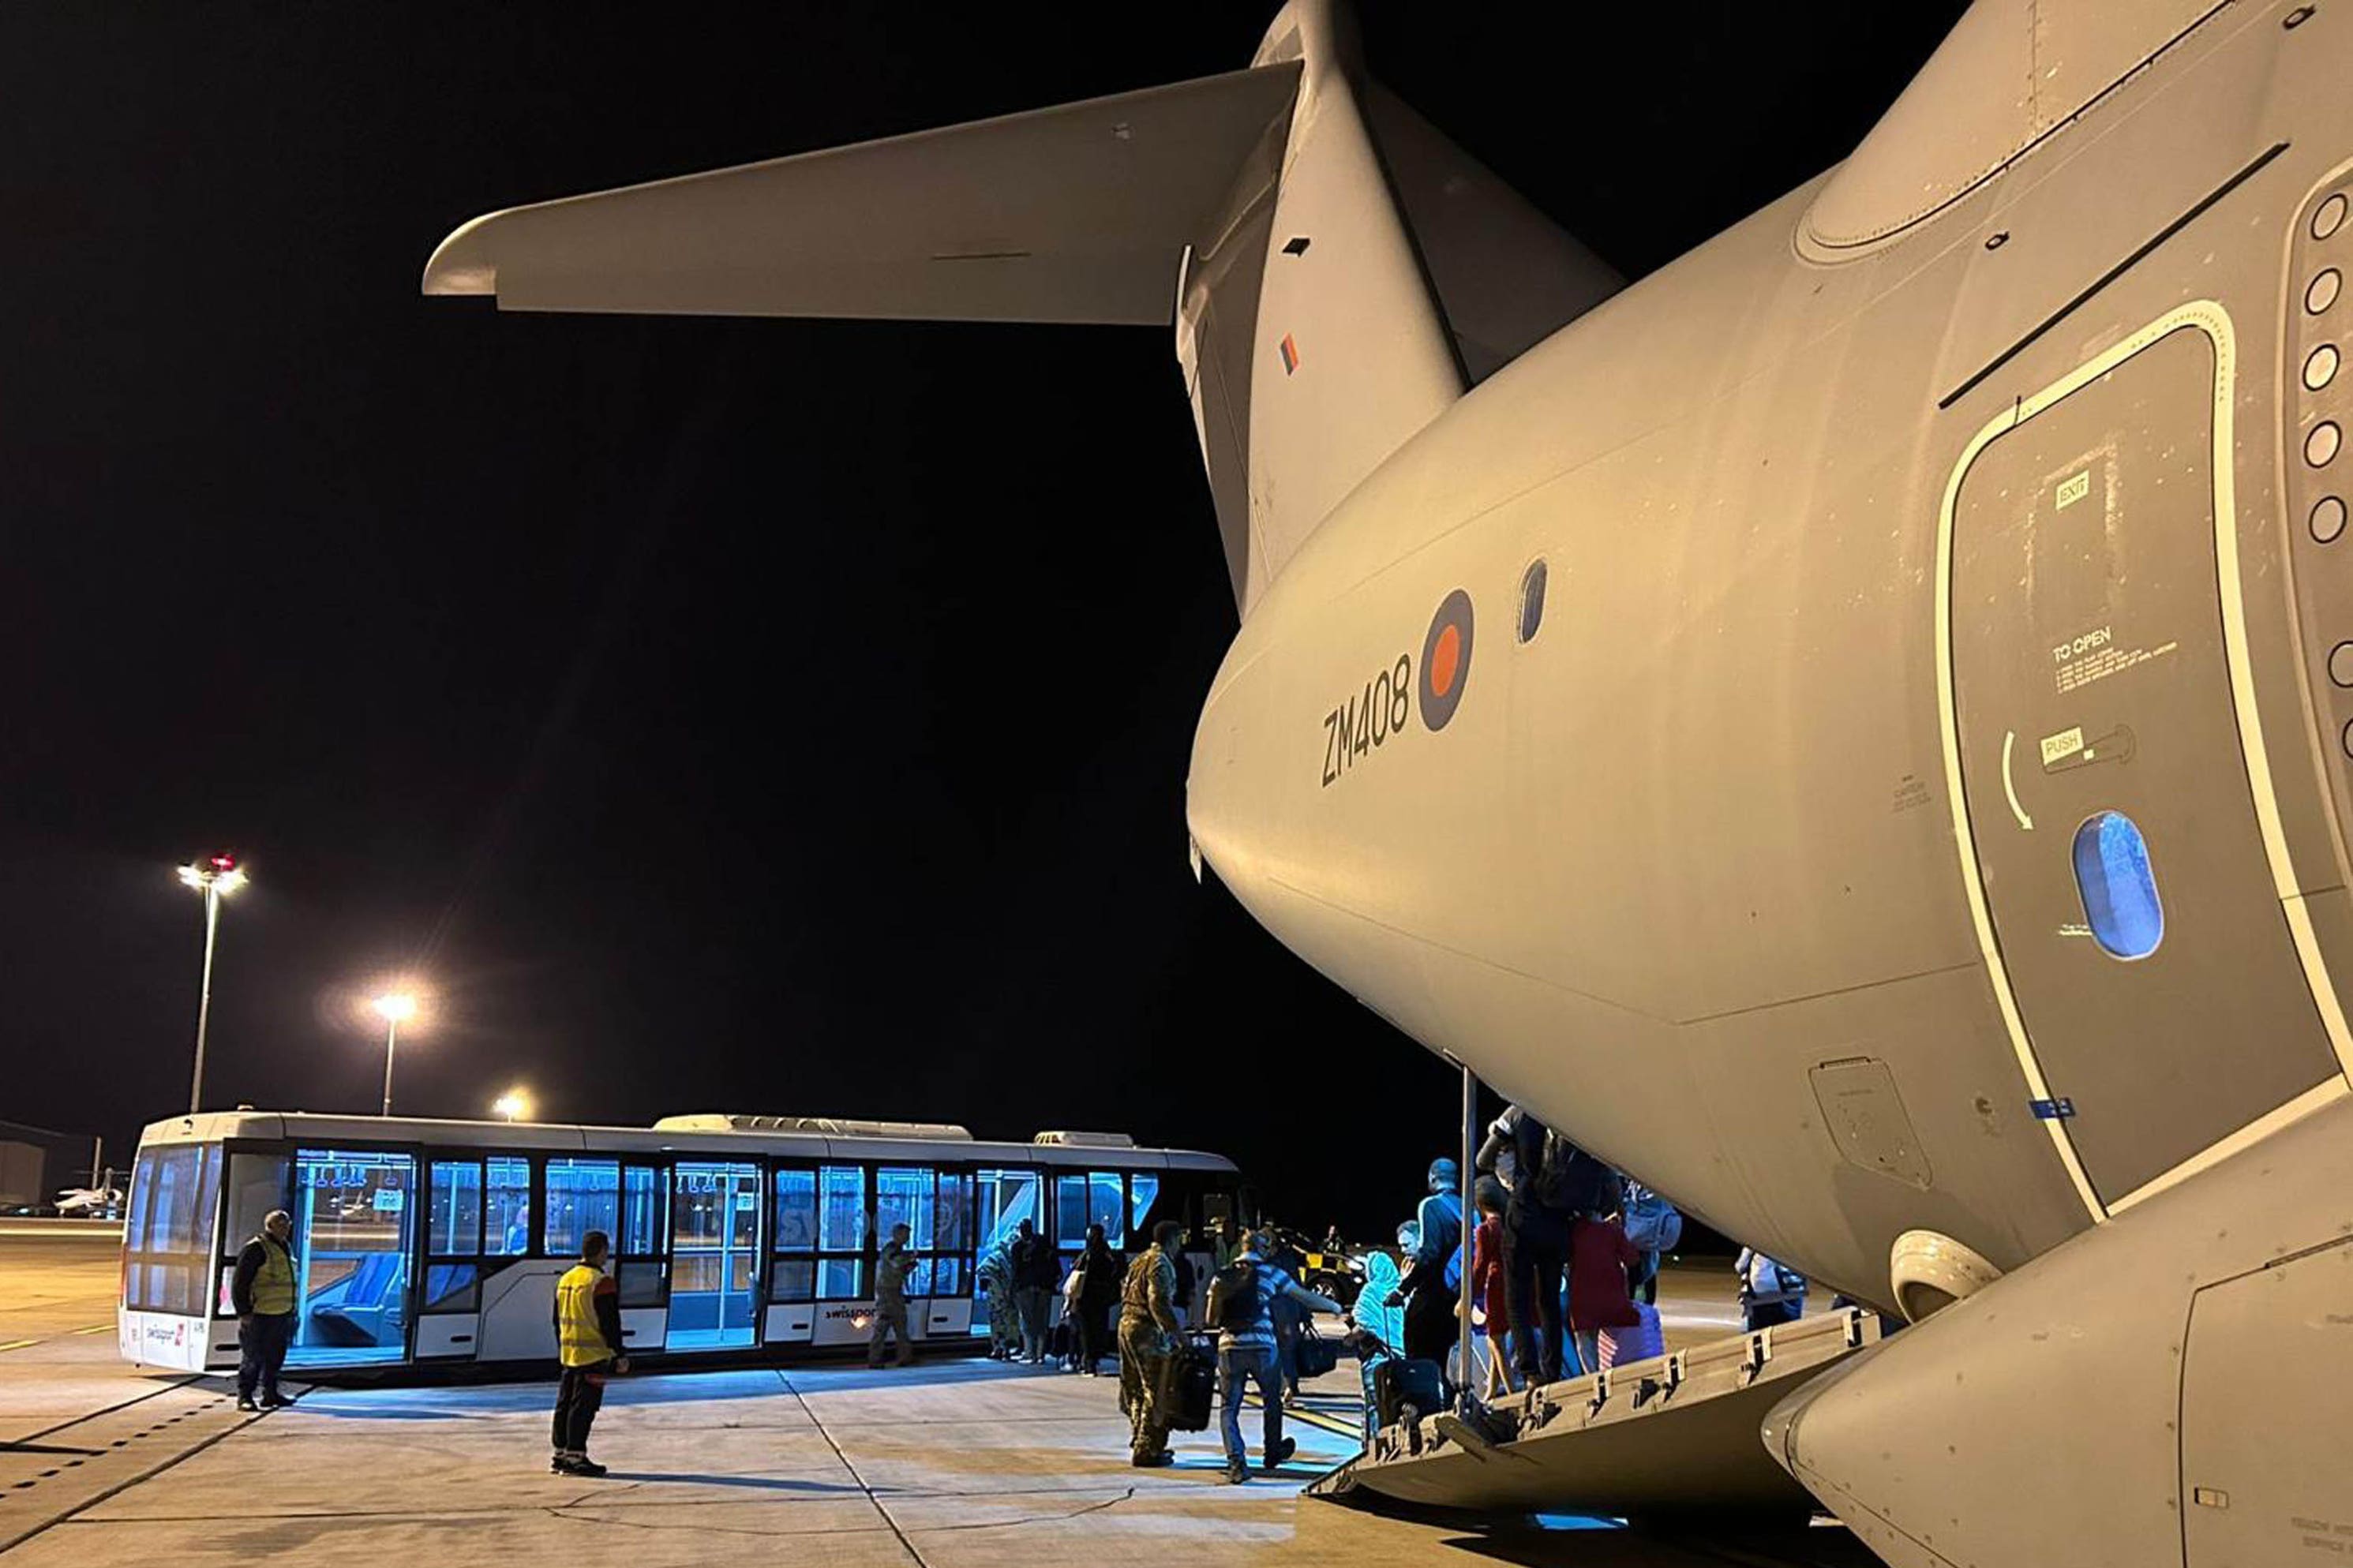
x: 1144, y: 1355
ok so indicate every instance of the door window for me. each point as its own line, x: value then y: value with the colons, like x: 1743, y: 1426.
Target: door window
x: 352, y: 1234
x: 2120, y: 890
x: 714, y: 1253
x: 794, y: 1278
x: 841, y: 1233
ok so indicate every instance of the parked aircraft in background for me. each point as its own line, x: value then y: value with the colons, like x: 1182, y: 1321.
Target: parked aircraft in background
x: 1852, y: 728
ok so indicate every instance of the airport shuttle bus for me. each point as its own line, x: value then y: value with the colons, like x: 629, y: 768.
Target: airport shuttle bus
x: 438, y: 1243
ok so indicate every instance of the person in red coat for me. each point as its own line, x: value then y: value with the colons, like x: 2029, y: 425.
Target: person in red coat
x: 1599, y: 1257
x: 1488, y: 1288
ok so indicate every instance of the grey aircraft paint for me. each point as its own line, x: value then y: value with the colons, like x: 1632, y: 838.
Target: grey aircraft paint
x: 1986, y: 487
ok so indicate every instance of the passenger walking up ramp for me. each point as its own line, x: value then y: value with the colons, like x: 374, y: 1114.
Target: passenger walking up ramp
x: 1673, y: 1435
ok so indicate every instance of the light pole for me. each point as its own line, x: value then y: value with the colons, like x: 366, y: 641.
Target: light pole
x: 215, y: 877
x: 515, y: 1105
x: 395, y: 1008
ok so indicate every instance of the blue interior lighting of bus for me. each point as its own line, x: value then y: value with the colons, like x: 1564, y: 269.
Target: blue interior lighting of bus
x: 2120, y: 890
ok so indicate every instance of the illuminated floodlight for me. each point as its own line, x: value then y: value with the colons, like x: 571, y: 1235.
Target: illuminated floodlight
x: 515, y: 1105
x: 215, y: 876
x: 395, y: 1009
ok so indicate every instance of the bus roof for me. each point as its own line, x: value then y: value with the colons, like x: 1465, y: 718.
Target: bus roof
x: 302, y: 1126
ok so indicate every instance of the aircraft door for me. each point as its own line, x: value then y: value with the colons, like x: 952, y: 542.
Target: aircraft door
x: 2115, y: 830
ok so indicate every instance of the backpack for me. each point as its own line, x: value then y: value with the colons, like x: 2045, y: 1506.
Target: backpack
x: 1569, y: 1180
x: 1235, y: 1305
x: 1652, y: 1224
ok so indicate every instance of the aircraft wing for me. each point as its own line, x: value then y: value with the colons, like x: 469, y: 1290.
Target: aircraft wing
x: 1079, y: 213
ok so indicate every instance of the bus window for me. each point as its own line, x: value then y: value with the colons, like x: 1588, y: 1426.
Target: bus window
x: 841, y: 1232
x: 582, y: 1195
x: 1006, y: 1198
x: 793, y: 1277
x: 949, y: 1263
x: 506, y: 1213
x: 903, y: 1196
x: 1069, y: 1214
x: 167, y: 1236
x: 1143, y: 1186
x: 455, y: 1223
x: 1104, y: 1206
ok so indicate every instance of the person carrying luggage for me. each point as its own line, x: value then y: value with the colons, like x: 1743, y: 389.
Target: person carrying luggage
x: 1100, y: 1276
x: 1241, y: 1308
x: 1147, y: 1343
x: 1432, y: 1286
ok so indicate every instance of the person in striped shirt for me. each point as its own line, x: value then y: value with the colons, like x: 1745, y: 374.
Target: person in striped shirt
x: 1241, y: 1308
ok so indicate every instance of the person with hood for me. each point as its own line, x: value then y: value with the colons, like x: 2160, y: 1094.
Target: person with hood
x: 995, y: 1275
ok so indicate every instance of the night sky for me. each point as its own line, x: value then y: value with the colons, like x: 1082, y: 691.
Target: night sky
x: 771, y: 716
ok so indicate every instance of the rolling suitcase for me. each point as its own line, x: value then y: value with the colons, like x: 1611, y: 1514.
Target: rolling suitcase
x: 1189, y: 1384
x: 1398, y: 1385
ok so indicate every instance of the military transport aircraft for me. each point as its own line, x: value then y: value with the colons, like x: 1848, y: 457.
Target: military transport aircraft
x: 1853, y: 728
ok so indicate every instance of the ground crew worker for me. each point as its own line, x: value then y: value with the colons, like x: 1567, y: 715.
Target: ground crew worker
x: 1147, y: 1342
x: 892, y: 1268
x: 262, y: 1292
x: 588, y: 1341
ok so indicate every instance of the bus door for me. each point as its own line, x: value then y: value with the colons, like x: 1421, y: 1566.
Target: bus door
x: 936, y: 1206
x: 354, y: 1236
x: 792, y: 1268
x: 715, y: 1255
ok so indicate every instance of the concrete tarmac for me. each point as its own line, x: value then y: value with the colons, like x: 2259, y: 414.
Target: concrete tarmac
x: 952, y: 1463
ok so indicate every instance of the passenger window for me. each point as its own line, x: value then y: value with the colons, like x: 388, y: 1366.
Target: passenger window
x: 1006, y: 1198
x: 2120, y: 890
x: 506, y: 1229
x: 1143, y: 1186
x: 456, y: 1229
x: 841, y: 1229
x: 796, y: 1210
x: 1070, y: 1213
x: 1532, y: 598
x: 582, y: 1195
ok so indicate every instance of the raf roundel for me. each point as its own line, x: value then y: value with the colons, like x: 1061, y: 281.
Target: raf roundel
x: 1446, y: 660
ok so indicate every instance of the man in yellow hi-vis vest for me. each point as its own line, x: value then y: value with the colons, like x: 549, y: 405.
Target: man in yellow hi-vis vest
x: 262, y: 1292
x: 588, y: 1340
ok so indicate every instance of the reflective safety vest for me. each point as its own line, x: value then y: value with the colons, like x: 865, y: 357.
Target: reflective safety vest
x: 579, y: 1341
x: 273, y: 1283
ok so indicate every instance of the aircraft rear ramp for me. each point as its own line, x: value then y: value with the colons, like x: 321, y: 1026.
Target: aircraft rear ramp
x: 1677, y: 1434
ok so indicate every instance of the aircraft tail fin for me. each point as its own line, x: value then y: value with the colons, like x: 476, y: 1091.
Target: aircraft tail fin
x: 1337, y: 273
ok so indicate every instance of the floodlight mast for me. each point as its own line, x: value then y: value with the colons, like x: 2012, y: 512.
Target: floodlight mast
x: 215, y: 875
x: 394, y: 1007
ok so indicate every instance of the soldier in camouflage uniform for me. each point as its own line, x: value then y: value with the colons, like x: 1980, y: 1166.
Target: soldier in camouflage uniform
x: 1004, y: 1322
x: 1147, y: 1331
